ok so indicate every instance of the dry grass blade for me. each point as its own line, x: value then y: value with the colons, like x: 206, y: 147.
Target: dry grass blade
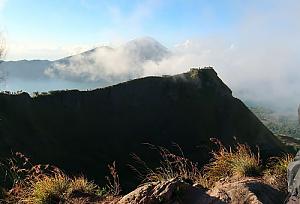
x: 114, y: 187
x: 171, y: 166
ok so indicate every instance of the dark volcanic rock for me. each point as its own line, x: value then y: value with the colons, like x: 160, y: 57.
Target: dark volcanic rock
x: 83, y: 131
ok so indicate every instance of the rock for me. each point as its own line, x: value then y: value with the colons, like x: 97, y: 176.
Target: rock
x: 248, y: 190
x: 174, y: 191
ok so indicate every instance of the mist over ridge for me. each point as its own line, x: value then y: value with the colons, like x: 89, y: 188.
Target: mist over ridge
x: 252, y: 78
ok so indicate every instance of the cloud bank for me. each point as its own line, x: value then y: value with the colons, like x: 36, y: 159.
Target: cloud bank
x: 258, y: 59
x: 109, y: 64
x: 259, y: 71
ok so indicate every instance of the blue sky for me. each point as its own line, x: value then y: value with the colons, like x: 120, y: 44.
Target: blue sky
x: 83, y: 23
x: 51, y: 29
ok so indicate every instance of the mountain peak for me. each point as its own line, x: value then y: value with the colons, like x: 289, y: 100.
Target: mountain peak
x: 146, y: 48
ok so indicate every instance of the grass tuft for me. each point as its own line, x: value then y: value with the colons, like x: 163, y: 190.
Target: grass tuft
x: 82, y: 185
x: 237, y: 162
x: 57, y: 188
x: 49, y: 189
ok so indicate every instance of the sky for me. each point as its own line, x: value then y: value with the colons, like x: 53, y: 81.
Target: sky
x: 52, y: 29
x: 253, y: 44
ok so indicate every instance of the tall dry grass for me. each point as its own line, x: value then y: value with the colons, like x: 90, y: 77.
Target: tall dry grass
x: 171, y: 166
x: 238, y: 161
x: 44, y: 184
x: 276, y: 171
x: 113, y: 186
x: 235, y: 162
x: 52, y: 188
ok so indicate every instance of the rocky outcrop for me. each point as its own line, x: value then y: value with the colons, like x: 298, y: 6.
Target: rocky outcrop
x: 169, y: 192
x: 176, y: 191
x: 247, y: 190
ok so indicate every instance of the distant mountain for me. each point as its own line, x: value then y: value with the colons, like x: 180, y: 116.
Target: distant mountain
x: 141, y: 48
x: 102, y: 65
x: 83, y: 131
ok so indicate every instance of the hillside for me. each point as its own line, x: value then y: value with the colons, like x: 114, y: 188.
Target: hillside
x: 83, y: 131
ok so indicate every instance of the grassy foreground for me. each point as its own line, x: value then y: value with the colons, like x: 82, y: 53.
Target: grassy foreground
x: 24, y: 182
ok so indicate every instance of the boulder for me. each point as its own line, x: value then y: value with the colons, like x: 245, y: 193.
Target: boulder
x: 174, y: 191
x: 248, y: 190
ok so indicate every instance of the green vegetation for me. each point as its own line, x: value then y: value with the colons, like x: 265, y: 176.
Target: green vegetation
x: 278, y: 124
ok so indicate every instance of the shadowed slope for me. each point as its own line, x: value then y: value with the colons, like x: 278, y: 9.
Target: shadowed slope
x: 83, y: 131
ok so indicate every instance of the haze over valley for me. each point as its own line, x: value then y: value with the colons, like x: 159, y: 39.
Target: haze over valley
x: 145, y: 56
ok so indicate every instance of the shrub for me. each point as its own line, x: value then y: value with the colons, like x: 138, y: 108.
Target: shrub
x: 228, y: 162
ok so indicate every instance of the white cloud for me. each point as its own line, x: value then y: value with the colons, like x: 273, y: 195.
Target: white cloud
x: 2, y: 4
x: 110, y: 64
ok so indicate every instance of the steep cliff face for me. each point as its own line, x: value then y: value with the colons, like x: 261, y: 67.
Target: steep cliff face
x: 83, y: 131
